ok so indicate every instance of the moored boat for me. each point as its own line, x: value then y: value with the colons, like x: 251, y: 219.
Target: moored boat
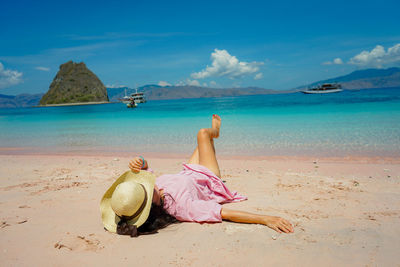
x: 324, y: 89
x: 138, y: 97
x: 125, y: 99
x: 131, y: 104
x: 134, y: 99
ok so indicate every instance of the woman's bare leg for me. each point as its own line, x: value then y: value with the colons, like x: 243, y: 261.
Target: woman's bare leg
x: 205, y: 146
x: 194, y: 158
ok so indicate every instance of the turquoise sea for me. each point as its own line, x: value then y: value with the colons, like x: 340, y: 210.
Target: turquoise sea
x: 350, y: 123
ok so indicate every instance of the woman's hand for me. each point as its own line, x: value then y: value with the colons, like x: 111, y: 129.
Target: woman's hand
x: 136, y: 164
x: 278, y: 224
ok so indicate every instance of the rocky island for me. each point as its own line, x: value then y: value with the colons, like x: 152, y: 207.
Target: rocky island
x: 75, y: 84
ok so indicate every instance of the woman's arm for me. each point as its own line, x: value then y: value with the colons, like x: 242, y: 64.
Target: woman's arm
x: 137, y: 164
x: 278, y: 224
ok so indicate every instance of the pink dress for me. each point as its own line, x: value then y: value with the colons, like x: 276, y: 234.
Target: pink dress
x: 195, y: 194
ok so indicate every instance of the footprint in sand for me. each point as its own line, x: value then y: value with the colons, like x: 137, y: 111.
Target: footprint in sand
x: 12, y: 221
x: 57, y: 187
x: 23, y: 185
x: 79, y: 243
x: 60, y: 171
x: 4, y: 224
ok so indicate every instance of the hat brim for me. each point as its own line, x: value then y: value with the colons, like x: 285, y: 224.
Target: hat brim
x: 108, y: 216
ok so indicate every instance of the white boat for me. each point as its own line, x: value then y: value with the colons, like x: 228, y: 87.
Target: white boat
x: 324, y: 89
x: 126, y: 99
x: 138, y: 97
x: 133, y: 100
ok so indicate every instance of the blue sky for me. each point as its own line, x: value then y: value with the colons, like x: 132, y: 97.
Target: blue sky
x: 277, y: 45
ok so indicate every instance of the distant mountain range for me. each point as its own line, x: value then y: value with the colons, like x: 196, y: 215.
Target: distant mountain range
x: 361, y: 79
x: 22, y: 100
x: 156, y: 92
x: 364, y: 79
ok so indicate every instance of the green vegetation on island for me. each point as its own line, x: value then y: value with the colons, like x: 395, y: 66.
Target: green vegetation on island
x: 75, y: 83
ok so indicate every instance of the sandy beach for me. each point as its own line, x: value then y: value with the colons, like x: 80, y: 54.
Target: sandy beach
x: 76, y: 104
x: 346, y: 212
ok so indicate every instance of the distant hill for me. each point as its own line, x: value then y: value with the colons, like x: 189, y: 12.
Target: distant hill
x: 22, y: 100
x: 156, y: 92
x: 75, y: 83
x: 364, y: 79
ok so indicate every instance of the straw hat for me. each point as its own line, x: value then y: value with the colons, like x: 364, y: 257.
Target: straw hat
x: 129, y: 197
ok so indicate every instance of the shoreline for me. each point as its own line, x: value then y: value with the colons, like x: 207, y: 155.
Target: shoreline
x: 74, y: 104
x: 4, y: 152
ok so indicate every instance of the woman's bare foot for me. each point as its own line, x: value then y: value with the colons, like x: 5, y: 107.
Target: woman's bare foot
x: 216, y: 124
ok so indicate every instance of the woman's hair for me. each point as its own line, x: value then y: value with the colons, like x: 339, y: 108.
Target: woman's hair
x: 158, y: 219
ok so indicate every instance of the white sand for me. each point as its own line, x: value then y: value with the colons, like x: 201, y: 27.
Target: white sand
x: 345, y: 212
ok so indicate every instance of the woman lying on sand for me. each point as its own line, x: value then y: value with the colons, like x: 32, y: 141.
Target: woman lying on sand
x: 137, y: 203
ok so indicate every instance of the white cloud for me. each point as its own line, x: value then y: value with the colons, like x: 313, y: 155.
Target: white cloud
x: 365, y: 57
x: 224, y: 64
x: 377, y: 57
x: 205, y: 84
x: 115, y: 86
x: 336, y: 61
x: 9, y: 77
x: 213, y: 83
x: 258, y: 76
x: 394, y: 50
x: 188, y: 82
x: 192, y: 82
x: 42, y: 68
x: 164, y: 83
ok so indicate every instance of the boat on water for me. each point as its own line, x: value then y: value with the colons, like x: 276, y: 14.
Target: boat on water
x: 134, y: 99
x: 131, y: 105
x: 125, y: 99
x: 138, y: 97
x: 324, y: 89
